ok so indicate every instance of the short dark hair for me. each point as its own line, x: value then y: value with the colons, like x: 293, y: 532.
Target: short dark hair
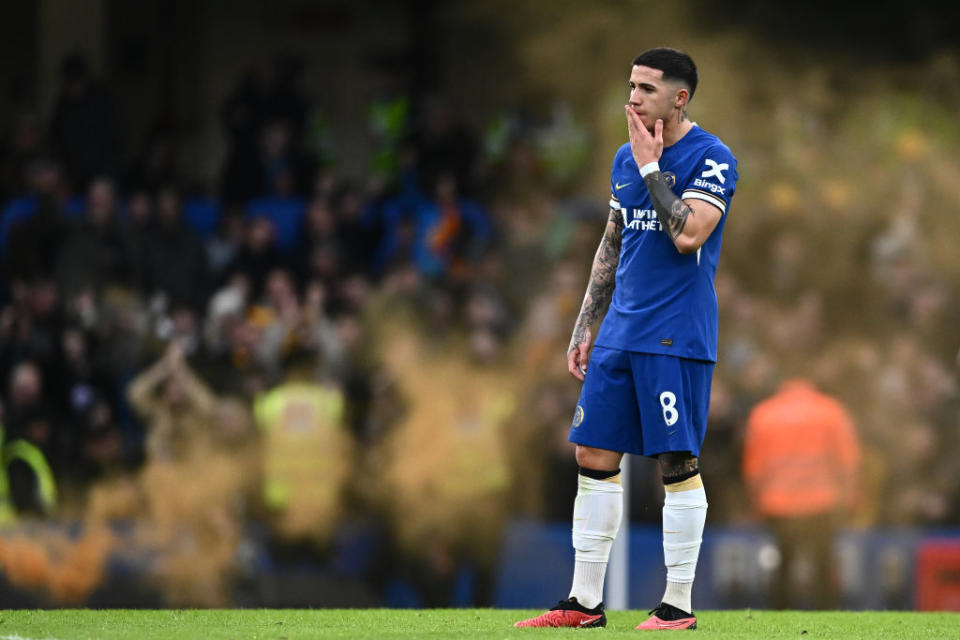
x: 676, y: 65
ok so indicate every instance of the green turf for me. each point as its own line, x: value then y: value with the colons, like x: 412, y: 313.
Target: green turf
x: 289, y: 624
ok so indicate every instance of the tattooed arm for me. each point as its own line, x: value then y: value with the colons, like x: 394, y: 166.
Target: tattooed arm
x: 599, y: 290
x: 687, y: 222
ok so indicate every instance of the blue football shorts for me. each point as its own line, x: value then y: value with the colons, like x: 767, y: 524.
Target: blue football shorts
x: 643, y: 403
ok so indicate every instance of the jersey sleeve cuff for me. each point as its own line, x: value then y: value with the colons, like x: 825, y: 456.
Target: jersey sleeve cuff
x: 694, y: 194
x: 615, y: 204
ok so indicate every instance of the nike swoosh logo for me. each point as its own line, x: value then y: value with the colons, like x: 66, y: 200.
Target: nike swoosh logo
x: 674, y: 624
x: 619, y: 186
x: 589, y: 620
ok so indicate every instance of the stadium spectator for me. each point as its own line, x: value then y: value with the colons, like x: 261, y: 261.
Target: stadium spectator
x: 444, y: 144
x: 175, y: 403
x: 19, y: 151
x: 373, y: 401
x: 258, y: 255
x: 30, y: 326
x: 84, y: 129
x: 81, y: 390
x: 193, y: 530
x: 155, y: 166
x: 225, y: 245
x: 357, y: 232
x: 136, y: 228
x: 308, y: 454
x: 801, y: 460
x: 32, y: 240
x: 279, y: 315
x: 287, y: 171
x: 317, y: 332
x: 241, y: 116
x: 264, y: 117
x: 451, y: 231
x: 227, y: 304
x: 197, y: 527
x: 95, y: 253
x: 27, y: 414
x: 100, y: 444
x: 319, y: 229
x: 233, y: 346
x: 176, y: 266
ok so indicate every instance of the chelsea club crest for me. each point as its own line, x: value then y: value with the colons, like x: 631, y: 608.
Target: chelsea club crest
x: 578, y: 416
x: 670, y: 178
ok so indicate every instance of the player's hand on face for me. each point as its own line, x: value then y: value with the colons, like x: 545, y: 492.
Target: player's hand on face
x: 646, y: 147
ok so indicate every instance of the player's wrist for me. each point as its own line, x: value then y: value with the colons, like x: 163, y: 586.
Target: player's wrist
x: 648, y: 168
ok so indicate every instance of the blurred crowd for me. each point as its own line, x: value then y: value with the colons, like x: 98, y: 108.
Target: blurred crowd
x: 308, y: 351
x: 291, y: 347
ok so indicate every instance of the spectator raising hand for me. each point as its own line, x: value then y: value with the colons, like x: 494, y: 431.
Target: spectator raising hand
x: 175, y: 403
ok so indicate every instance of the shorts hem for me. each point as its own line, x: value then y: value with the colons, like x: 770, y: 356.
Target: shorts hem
x: 586, y: 442
x: 695, y: 453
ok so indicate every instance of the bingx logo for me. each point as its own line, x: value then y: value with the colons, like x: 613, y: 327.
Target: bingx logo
x: 715, y: 170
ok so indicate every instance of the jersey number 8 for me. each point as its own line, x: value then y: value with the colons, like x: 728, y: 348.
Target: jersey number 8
x: 669, y: 403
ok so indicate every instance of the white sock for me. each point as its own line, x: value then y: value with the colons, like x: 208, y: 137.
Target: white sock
x: 596, y: 520
x: 678, y: 594
x: 684, y: 514
x: 588, y: 582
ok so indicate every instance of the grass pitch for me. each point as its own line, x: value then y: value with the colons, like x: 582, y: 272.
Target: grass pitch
x: 291, y: 624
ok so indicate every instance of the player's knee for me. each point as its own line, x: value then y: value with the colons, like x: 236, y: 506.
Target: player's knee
x: 597, y: 459
x: 677, y: 466
x: 583, y: 457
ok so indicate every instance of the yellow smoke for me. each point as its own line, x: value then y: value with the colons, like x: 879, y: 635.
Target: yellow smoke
x: 442, y: 474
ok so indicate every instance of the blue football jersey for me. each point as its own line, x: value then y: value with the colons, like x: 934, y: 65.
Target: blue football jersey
x: 664, y: 302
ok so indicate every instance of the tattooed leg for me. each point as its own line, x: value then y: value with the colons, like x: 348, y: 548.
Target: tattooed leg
x: 678, y: 464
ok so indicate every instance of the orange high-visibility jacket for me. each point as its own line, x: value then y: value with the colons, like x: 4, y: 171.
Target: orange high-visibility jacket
x: 801, y: 452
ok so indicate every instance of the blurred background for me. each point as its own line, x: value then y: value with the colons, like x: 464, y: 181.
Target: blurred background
x: 287, y: 289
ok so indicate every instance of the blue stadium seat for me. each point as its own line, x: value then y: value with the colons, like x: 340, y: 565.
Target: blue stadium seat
x: 15, y: 210
x: 286, y: 214
x: 202, y: 215
x: 74, y: 208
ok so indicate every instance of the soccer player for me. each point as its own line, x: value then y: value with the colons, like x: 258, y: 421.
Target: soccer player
x: 647, y: 388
